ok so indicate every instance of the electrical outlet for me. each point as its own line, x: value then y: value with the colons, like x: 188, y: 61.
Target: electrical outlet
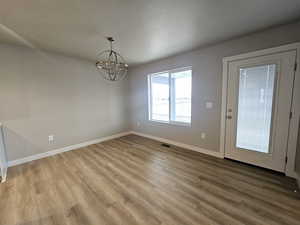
x: 203, y: 135
x: 51, y: 138
x: 209, y: 105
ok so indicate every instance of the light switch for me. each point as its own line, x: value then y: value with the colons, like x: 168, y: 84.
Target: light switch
x: 51, y: 138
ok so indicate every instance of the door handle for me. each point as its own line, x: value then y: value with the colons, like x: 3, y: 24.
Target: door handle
x: 229, y: 117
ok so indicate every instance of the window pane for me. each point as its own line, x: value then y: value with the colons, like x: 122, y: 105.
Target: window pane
x: 256, y: 87
x: 181, y: 89
x: 160, y: 97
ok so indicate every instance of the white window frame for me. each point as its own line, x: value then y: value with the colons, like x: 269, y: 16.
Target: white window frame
x: 170, y: 96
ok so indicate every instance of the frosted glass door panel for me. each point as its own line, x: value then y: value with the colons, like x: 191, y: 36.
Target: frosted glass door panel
x: 255, y: 100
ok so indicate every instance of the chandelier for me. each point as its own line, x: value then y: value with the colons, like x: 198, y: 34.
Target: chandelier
x: 110, y: 64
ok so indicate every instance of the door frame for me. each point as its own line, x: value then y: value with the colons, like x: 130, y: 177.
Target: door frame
x: 295, y: 106
x: 3, y: 158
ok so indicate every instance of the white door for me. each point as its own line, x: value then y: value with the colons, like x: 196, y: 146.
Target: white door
x: 259, y: 100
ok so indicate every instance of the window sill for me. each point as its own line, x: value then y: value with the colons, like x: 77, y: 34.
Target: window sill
x: 171, y: 123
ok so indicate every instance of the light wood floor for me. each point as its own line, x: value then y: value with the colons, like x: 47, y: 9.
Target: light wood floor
x: 133, y: 180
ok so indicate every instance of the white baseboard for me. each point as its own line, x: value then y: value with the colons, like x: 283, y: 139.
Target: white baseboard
x: 180, y: 144
x: 84, y: 144
x: 64, y: 149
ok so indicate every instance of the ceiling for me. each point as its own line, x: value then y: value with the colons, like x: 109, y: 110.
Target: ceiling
x: 145, y: 30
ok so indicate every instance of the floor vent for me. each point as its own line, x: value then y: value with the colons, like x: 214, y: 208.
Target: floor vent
x: 165, y: 145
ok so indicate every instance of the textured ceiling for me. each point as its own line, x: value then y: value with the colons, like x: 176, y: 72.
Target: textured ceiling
x: 145, y: 30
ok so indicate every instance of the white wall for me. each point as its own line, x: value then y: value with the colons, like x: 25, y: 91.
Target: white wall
x: 207, y: 82
x: 45, y: 93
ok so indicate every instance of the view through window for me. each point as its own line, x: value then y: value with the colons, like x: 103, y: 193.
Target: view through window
x: 170, y: 95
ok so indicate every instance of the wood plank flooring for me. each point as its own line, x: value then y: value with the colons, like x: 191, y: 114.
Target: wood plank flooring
x: 133, y: 180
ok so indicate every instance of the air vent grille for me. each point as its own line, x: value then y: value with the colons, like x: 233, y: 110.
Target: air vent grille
x: 165, y: 145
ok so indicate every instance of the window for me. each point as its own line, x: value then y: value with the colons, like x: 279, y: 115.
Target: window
x: 170, y: 96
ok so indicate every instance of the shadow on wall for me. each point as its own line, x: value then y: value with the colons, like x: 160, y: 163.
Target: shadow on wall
x: 17, y: 144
